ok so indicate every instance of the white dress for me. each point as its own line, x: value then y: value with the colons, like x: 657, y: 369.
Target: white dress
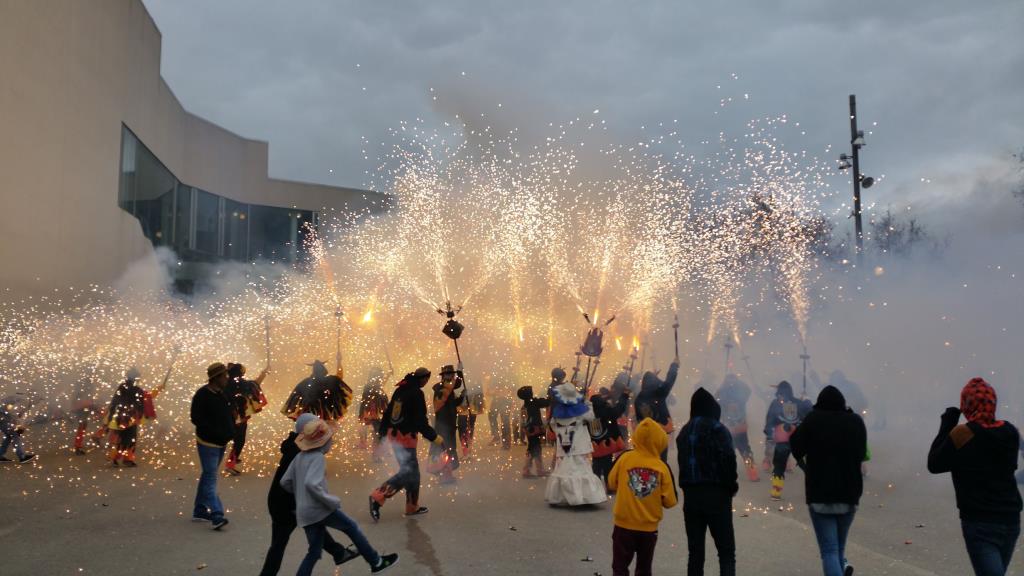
x: 573, y: 482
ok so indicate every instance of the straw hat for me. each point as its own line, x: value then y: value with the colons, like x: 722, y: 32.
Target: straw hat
x: 312, y: 432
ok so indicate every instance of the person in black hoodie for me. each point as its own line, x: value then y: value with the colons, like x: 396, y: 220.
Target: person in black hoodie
x: 709, y: 479
x: 981, y: 454
x: 405, y: 420
x: 652, y: 400
x: 830, y: 445
x: 281, y: 504
x: 605, y: 431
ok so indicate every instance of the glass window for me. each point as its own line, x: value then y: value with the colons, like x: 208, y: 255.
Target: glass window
x: 126, y: 187
x: 236, y: 230
x: 277, y: 233
x: 207, y: 235
x: 147, y: 190
x: 183, y: 218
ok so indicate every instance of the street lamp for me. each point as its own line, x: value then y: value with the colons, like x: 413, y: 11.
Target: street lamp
x: 847, y: 162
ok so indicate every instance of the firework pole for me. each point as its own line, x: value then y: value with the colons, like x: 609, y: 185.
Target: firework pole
x: 728, y: 351
x: 167, y: 374
x: 805, y: 357
x: 675, y: 324
x: 337, y: 350
x: 266, y: 338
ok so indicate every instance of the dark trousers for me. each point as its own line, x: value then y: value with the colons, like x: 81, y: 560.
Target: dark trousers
x: 407, y: 478
x: 742, y: 443
x: 602, y: 465
x: 467, y: 428
x: 627, y: 543
x: 990, y: 546
x: 780, y: 459
x: 698, y: 523
x: 280, y: 533
x: 238, y: 443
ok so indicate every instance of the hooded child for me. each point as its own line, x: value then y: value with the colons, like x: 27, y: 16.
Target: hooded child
x: 830, y: 445
x: 316, y: 509
x: 784, y: 414
x: 405, y: 420
x: 644, y: 488
x: 981, y: 455
x: 708, y: 477
x: 572, y: 482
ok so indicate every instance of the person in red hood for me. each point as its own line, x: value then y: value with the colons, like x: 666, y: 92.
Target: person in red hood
x: 981, y: 455
x: 405, y: 420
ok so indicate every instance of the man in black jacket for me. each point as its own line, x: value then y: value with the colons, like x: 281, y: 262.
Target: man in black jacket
x: 830, y: 445
x: 981, y: 454
x: 281, y: 504
x: 652, y: 400
x: 215, y: 427
x: 708, y: 477
x: 405, y: 420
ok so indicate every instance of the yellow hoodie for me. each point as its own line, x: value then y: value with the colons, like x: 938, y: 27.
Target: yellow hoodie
x: 642, y: 482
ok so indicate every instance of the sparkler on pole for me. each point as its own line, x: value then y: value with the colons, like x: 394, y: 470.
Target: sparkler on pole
x: 338, y: 314
x: 167, y: 374
x: 728, y: 351
x: 675, y: 324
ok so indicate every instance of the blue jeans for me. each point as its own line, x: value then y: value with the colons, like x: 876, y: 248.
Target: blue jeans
x: 831, y: 531
x: 339, y: 521
x: 208, y: 504
x: 13, y: 438
x: 990, y: 546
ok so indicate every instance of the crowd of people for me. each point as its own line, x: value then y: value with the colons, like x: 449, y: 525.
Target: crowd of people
x: 612, y: 443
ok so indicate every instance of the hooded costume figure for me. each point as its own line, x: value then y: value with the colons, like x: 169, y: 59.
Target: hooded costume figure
x: 372, y: 404
x: 323, y: 394
x: 405, y: 419
x: 246, y: 397
x: 652, y: 401
x: 572, y: 482
x: 784, y: 414
x: 733, y: 397
x: 830, y: 445
x: 130, y: 407
x: 532, y: 424
x: 605, y: 431
x: 622, y: 391
x: 981, y: 455
x: 644, y: 489
x: 707, y: 475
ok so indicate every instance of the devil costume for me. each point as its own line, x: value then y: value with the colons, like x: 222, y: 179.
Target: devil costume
x: 372, y: 405
x: 605, y: 432
x: 784, y: 414
x: 130, y: 407
x: 532, y: 425
x: 572, y: 482
x: 247, y: 399
x: 322, y: 394
x: 733, y: 397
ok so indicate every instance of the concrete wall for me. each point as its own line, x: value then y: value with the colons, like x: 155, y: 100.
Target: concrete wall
x: 71, y: 72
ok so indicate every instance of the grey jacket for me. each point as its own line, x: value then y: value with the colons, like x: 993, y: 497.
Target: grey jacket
x: 306, y: 478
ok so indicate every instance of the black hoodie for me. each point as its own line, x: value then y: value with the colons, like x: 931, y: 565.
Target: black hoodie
x: 707, y: 458
x: 831, y: 443
x: 281, y: 502
x: 982, y: 462
x: 652, y: 401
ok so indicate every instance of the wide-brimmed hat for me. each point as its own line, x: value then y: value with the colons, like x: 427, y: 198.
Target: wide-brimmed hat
x: 447, y: 369
x: 216, y: 369
x: 312, y: 432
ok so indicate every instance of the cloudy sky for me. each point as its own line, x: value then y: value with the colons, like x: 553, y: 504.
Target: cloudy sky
x: 943, y: 80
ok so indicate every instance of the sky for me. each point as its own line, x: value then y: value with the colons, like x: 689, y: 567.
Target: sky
x: 938, y: 84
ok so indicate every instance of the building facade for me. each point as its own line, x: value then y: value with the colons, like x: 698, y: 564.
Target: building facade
x: 100, y: 163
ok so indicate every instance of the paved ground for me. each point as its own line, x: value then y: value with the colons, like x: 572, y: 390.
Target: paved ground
x: 73, y: 515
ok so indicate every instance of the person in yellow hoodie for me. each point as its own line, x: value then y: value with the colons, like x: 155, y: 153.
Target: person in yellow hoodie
x: 644, y: 487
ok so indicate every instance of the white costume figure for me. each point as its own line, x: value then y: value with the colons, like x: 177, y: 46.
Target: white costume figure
x: 573, y: 481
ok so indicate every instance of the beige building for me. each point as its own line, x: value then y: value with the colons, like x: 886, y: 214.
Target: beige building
x: 99, y: 162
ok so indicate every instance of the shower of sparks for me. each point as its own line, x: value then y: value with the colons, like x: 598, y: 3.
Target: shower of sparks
x: 521, y: 239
